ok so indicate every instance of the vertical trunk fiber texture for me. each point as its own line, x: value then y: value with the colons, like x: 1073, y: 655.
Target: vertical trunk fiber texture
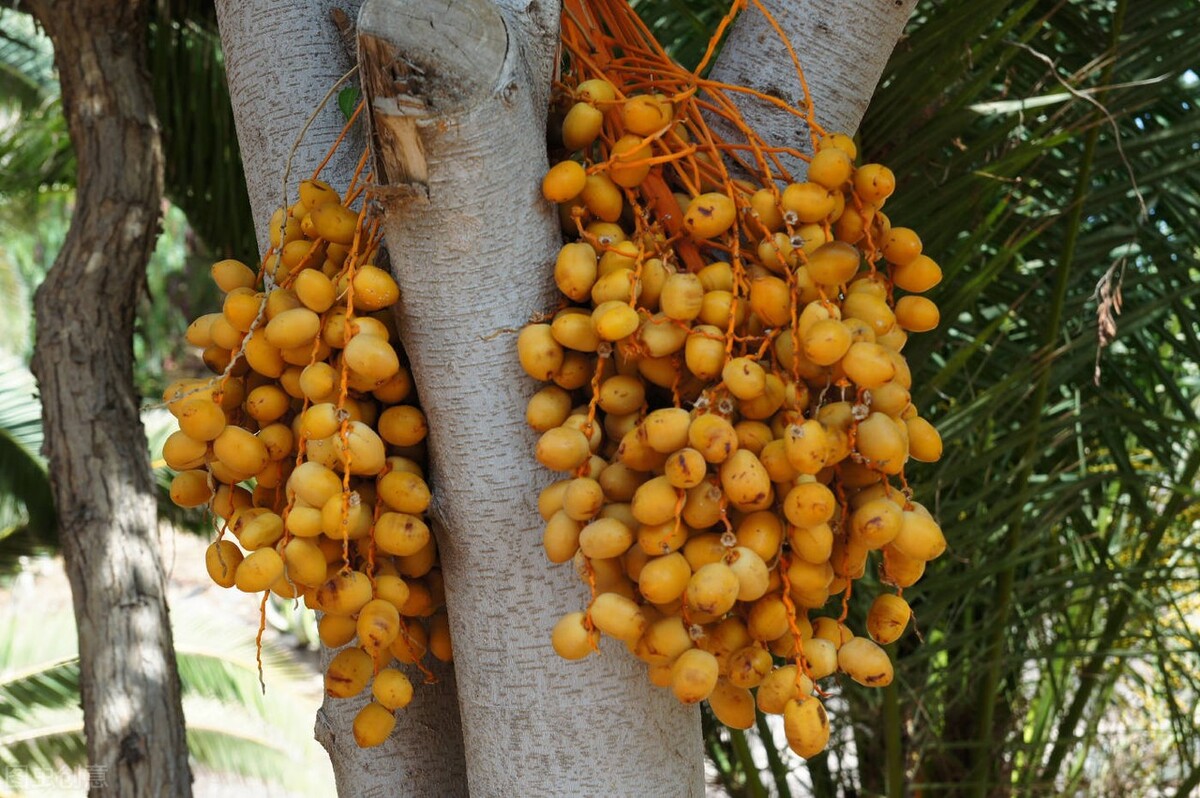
x: 282, y: 58
x: 133, y: 719
x: 842, y: 48
x: 459, y: 96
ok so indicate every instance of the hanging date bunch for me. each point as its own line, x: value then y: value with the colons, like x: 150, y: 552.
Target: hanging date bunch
x: 728, y: 402
x: 307, y: 448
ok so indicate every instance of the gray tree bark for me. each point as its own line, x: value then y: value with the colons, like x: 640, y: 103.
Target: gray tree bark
x: 99, y: 469
x: 842, y: 48
x: 282, y: 58
x: 459, y: 96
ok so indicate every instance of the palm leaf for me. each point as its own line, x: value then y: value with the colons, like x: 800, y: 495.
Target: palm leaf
x: 26, y: 61
x: 682, y: 26
x: 233, y: 727
x: 47, y: 745
x: 27, y: 518
x: 203, y: 164
x: 35, y: 149
x: 48, y: 684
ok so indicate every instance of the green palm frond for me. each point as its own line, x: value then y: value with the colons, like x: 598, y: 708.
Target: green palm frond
x: 26, y: 61
x: 48, y: 684
x: 204, y: 173
x: 215, y: 749
x: 35, y: 148
x: 39, y: 668
x: 26, y: 68
x: 682, y: 26
x: 224, y: 739
x: 228, y: 672
x: 233, y: 727
x: 41, y: 724
x: 27, y: 517
x: 47, y: 745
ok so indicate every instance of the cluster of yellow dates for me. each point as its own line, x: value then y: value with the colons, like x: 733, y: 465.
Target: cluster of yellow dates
x: 729, y: 409
x: 307, y: 448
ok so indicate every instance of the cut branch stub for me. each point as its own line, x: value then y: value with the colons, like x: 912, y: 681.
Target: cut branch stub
x: 450, y: 54
x: 421, y: 60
